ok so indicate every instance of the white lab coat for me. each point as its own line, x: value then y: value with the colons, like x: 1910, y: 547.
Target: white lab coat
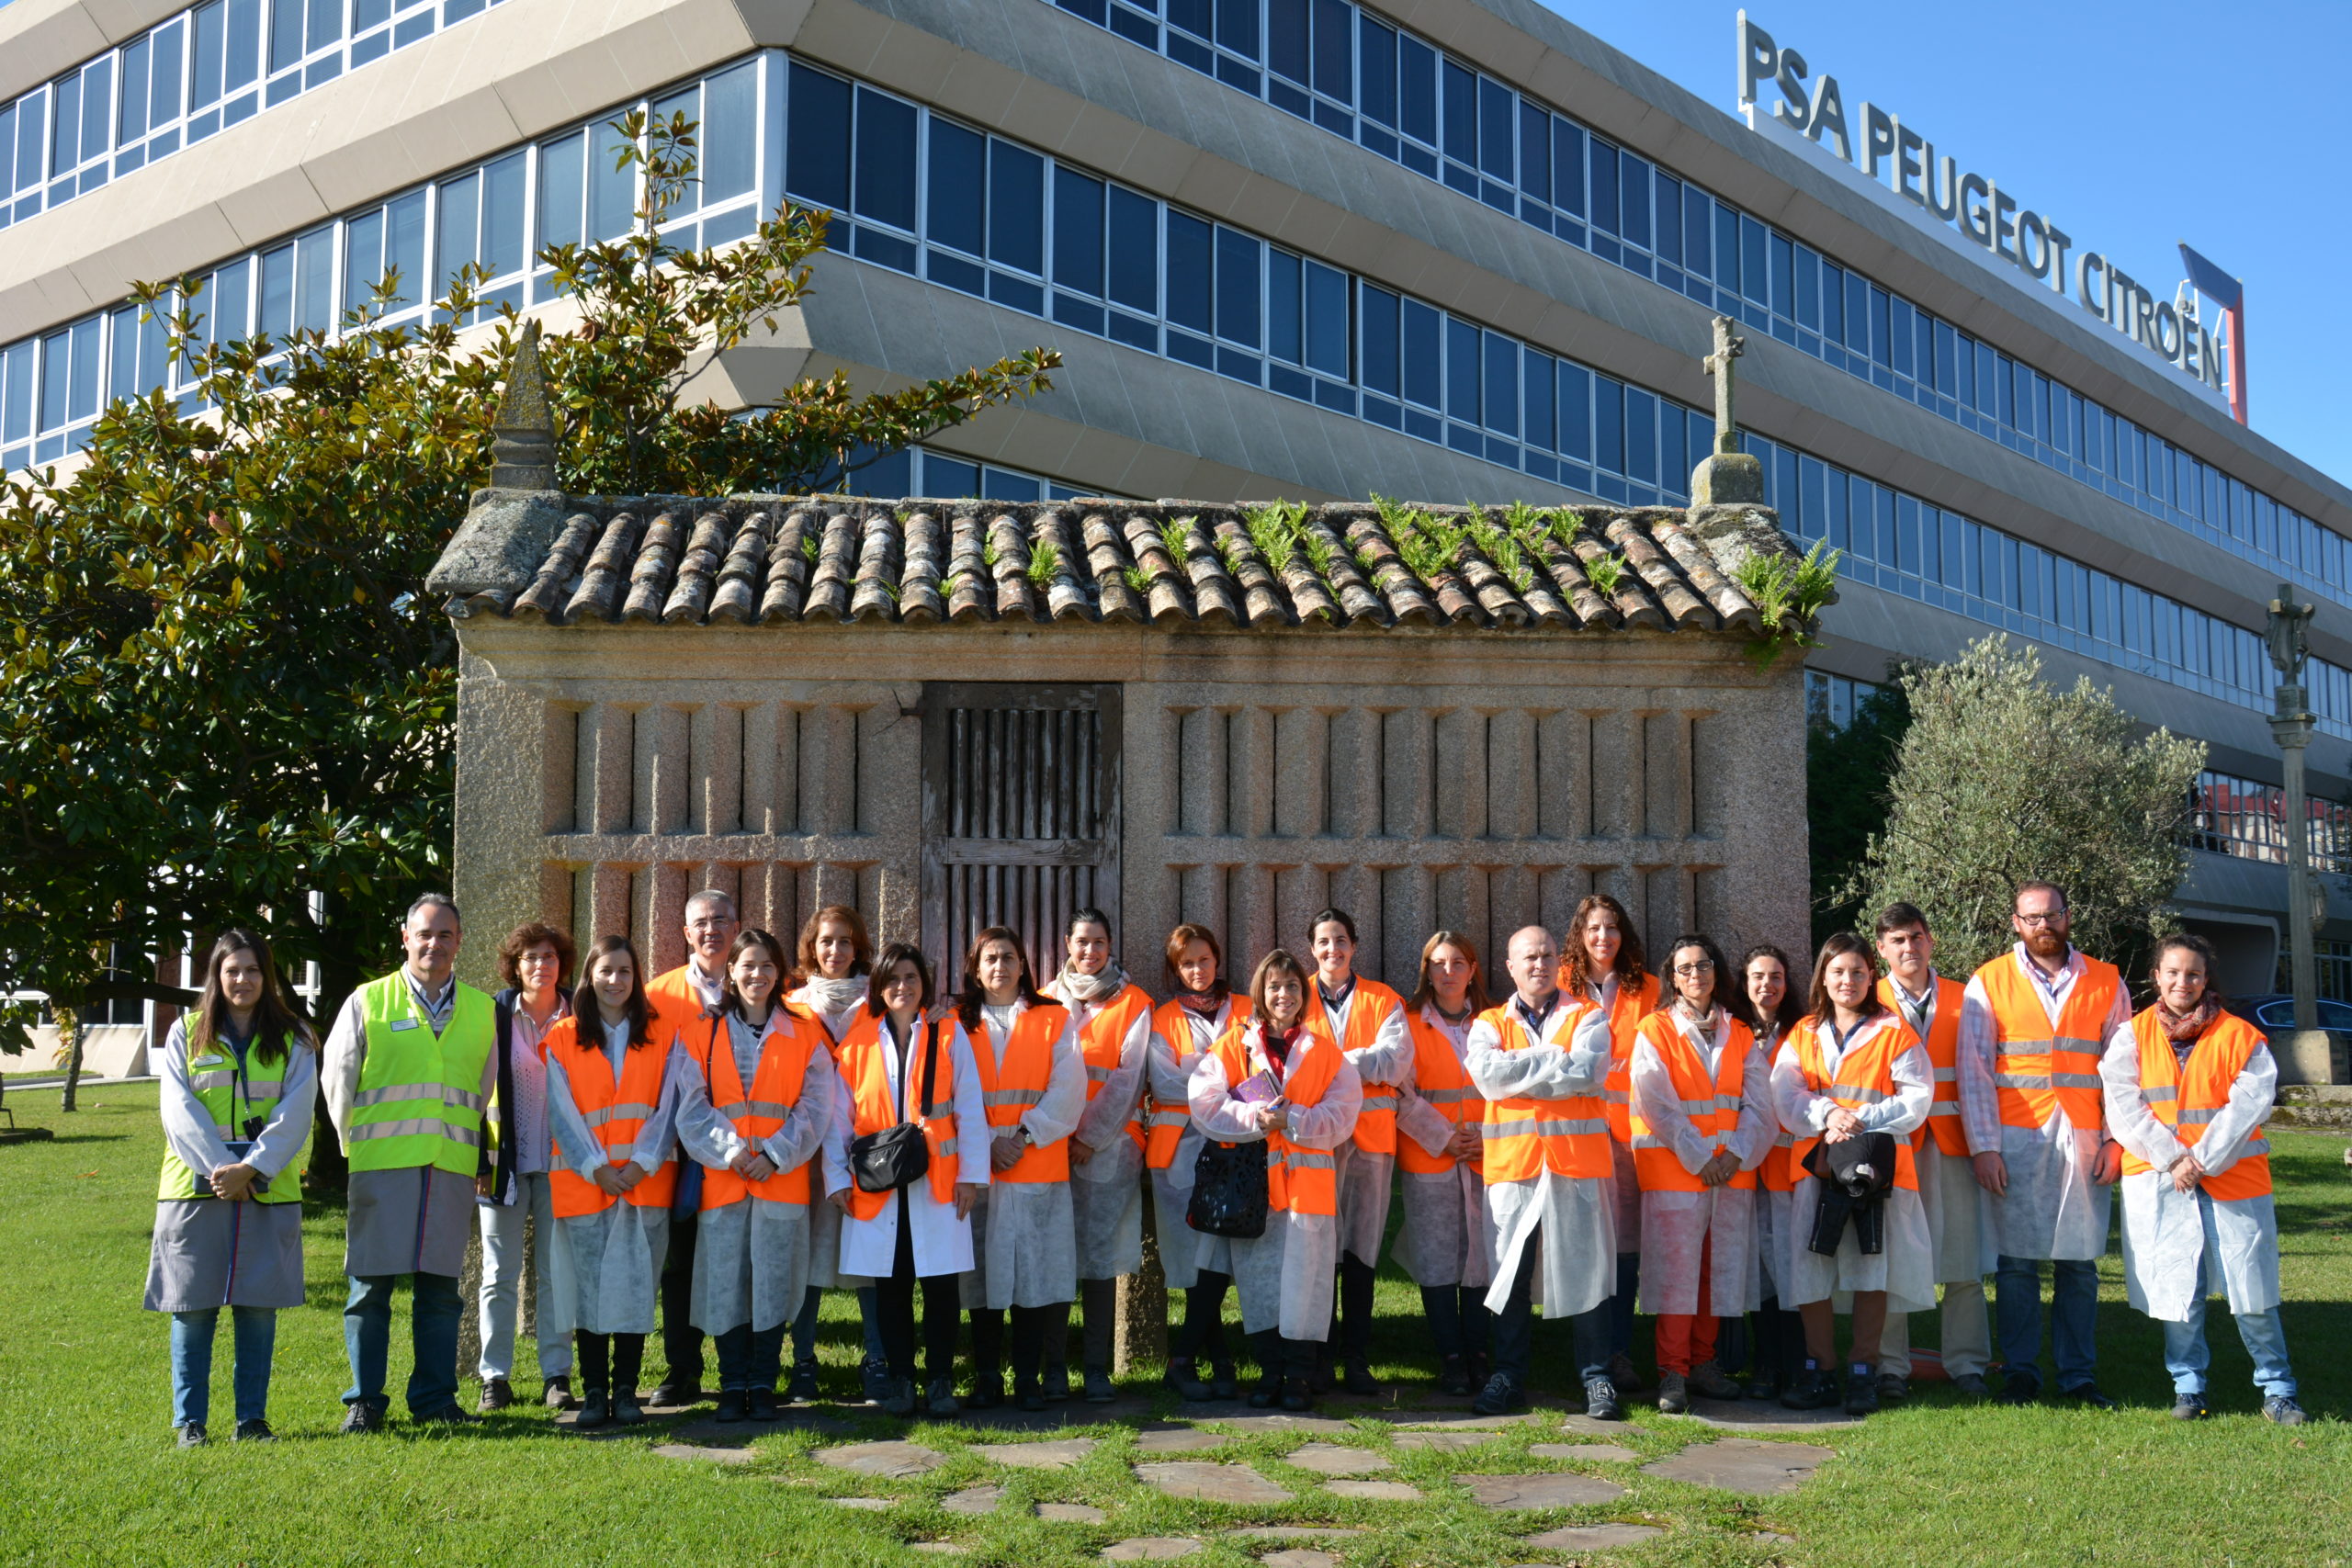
x: 1023, y: 1250
x: 824, y: 1219
x: 1284, y: 1277
x: 2052, y: 1208
x: 1573, y: 1219
x: 2167, y: 1269
x: 1905, y: 1267
x: 1171, y: 1075
x: 1366, y: 1179
x: 1447, y: 1239
x: 942, y: 1243
x: 1106, y: 1192
x: 751, y: 1256
x: 1676, y: 1227
x: 615, y: 1255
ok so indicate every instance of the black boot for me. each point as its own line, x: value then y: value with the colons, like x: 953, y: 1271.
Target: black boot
x: 1182, y: 1376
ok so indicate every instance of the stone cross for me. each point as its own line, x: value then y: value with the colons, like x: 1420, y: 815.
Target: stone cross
x: 1728, y: 348
x: 2287, y: 636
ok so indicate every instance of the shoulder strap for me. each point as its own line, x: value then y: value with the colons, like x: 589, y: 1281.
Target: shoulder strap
x: 930, y: 1065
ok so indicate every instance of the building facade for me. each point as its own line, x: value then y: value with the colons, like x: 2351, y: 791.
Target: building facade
x: 1309, y: 248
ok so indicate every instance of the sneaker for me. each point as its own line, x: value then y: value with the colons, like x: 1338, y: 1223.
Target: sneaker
x: 1453, y: 1376
x: 1621, y: 1373
x: 1861, y: 1393
x: 1673, y: 1393
x: 761, y: 1405
x: 497, y: 1393
x: 898, y: 1399
x: 449, y: 1415
x: 557, y: 1395
x: 1601, y: 1400
x: 1056, y: 1382
x: 2282, y: 1410
x: 803, y: 1387
x: 1181, y: 1376
x: 1812, y: 1390
x: 1892, y: 1389
x: 1708, y: 1380
x: 1298, y: 1395
x: 595, y: 1411
x: 627, y: 1412
x: 1099, y: 1388
x: 362, y: 1418
x: 940, y: 1395
x: 1358, y: 1378
x: 1973, y: 1385
x: 2189, y: 1407
x: 875, y: 1379
x: 1501, y: 1395
x: 1225, y: 1381
x: 193, y: 1436
x: 254, y: 1431
x: 734, y: 1404
x: 2017, y: 1389
x: 2087, y: 1394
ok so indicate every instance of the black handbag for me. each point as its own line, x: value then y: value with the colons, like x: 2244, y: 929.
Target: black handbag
x: 898, y: 1155
x: 1229, y: 1190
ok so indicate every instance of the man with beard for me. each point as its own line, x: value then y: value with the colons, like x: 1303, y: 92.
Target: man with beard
x: 2033, y: 1023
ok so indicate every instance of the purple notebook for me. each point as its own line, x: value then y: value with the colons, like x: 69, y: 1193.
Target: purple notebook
x: 1258, y: 1089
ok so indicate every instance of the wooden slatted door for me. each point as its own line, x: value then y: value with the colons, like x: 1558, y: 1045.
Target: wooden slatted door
x: 1020, y: 815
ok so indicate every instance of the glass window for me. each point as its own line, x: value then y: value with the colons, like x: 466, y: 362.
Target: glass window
x: 612, y: 186
x: 1377, y: 52
x: 1286, y: 51
x: 1641, y: 435
x: 1541, y: 380
x: 883, y: 172
x: 1535, y: 151
x: 1238, y: 264
x: 1575, y: 412
x: 1499, y: 397
x: 1016, y: 207
x: 1424, y: 354
x: 816, y: 164
x: 459, y: 234
x: 730, y: 133
x: 1078, y: 231
x: 1327, y: 320
x: 1669, y: 240
x: 404, y: 246
x: 315, y: 280
x: 163, y: 80
x: 1698, y: 229
x: 1633, y: 197
x: 1284, y: 330
x: 1135, y: 251
x: 956, y: 202
x: 1334, y: 50
x: 1379, y: 346
x: 242, y: 62
x: 560, y: 192
x: 66, y: 126
x: 1607, y: 425
x: 502, y: 216
x: 1496, y: 107
x: 1603, y: 192
x: 1461, y: 112
x: 130, y: 122
x: 1189, y: 272
x: 1417, y: 89
x: 277, y: 292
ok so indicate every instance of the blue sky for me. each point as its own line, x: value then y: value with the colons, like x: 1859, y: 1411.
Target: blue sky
x: 2138, y: 127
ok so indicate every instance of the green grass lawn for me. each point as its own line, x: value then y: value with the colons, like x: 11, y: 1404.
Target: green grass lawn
x: 88, y: 1473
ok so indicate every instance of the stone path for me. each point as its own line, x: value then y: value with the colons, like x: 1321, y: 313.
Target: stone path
x: 1070, y: 1513
x: 1374, y: 1491
x: 1234, y: 1483
x: 1178, y: 1441
x: 866, y: 1505
x: 1330, y: 1458
x: 973, y: 1500
x: 1608, y: 1453
x: 1592, y: 1538
x: 1744, y: 1465
x: 1293, y: 1532
x: 1547, y: 1491
x: 1060, y: 1455
x: 1300, y: 1557
x: 719, y: 1456
x: 1447, y: 1442
x: 1151, y: 1549
x: 887, y: 1462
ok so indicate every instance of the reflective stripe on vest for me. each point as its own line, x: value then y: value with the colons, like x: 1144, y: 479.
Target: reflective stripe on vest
x: 2039, y: 1069
x: 614, y: 1110
x: 759, y: 1112
x: 1440, y: 1078
x: 213, y: 1076
x: 1299, y: 1180
x: 1713, y: 1115
x: 1865, y: 1076
x: 2188, y: 1100
x: 1369, y: 1006
x: 1102, y: 1039
x: 873, y: 1107
x: 1526, y: 1136
x: 419, y: 1099
x: 1943, y: 1126
x: 1015, y: 1077
x: 1175, y: 1024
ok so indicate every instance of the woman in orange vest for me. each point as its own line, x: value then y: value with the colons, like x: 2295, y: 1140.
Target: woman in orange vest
x: 755, y: 1094
x: 1271, y: 1079
x: 920, y: 1234
x: 1201, y: 1007
x: 1852, y: 1066
x: 612, y: 1103
x: 1033, y: 1085
x: 2188, y: 1087
x: 1604, y: 965
x: 1770, y: 1008
x: 1366, y: 1021
x: 1447, y: 1244
x: 1702, y: 1122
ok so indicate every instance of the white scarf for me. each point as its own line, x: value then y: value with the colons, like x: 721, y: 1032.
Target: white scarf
x: 1091, y: 988
x: 832, y: 996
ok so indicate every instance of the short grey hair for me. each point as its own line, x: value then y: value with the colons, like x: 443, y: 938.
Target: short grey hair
x: 432, y: 901
x: 708, y: 896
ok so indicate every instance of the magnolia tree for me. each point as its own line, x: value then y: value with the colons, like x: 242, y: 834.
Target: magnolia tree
x: 2001, y: 779
x: 225, y: 698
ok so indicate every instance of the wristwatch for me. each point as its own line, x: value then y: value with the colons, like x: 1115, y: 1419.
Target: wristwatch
x: 1028, y: 1139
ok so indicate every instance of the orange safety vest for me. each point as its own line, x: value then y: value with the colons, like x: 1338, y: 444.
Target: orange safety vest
x: 1441, y: 1078
x: 614, y: 1108
x: 792, y: 1037
x: 873, y: 1107
x: 1369, y: 1006
x: 1774, y: 1175
x: 1164, y: 1121
x: 1300, y: 1180
x: 1713, y: 1108
x: 1865, y: 1076
x: 2037, y: 1069
x: 1099, y: 1039
x: 1633, y: 1004
x: 1943, y: 1123
x: 2187, y: 1102
x: 1013, y: 1079
x: 1524, y: 1135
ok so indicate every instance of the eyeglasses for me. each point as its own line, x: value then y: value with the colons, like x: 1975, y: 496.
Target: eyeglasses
x: 2054, y: 917
x: 1701, y: 967
x: 706, y: 925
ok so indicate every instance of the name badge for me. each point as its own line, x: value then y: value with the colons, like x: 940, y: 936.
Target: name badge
x: 403, y: 1023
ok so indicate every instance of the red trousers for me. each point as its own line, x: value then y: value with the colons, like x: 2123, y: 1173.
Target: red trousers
x: 1686, y: 1339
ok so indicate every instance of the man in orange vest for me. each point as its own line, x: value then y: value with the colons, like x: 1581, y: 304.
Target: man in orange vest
x: 2033, y: 1023
x: 679, y: 997
x: 1540, y: 1060
x: 1932, y: 1004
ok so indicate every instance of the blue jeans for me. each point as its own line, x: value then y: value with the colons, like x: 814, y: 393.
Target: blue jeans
x: 804, y: 1328
x: 254, y: 1331
x: 433, y: 1313
x: 2074, y: 1317
x: 1513, y: 1331
x: 2266, y: 1340
x: 1621, y: 1305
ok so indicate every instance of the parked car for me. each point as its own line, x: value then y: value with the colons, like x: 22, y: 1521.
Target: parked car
x: 2275, y: 1015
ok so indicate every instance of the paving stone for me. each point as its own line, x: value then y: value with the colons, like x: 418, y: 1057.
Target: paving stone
x: 1463, y: 1423
x: 1321, y: 1426
x: 1592, y: 1538
x: 1236, y: 1484
x: 1151, y: 1549
x: 973, y: 1500
x: 1760, y: 1417
x: 1590, y: 1427
x: 1775, y: 1536
x: 717, y: 1456
x: 1446, y: 1442
x: 1552, y: 1491
x: 1331, y: 1459
x: 889, y: 1461
x: 1178, y: 1441
x: 1070, y: 1513
x: 866, y: 1505
x: 1058, y: 1455
x: 1744, y: 1465
x: 1374, y: 1491
x: 1293, y: 1532
x: 1607, y: 1453
x: 1299, y: 1557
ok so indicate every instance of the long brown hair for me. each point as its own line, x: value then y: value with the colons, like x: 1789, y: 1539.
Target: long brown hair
x: 1184, y: 936
x: 969, y: 999
x: 1425, y: 995
x: 1818, y: 1007
x: 1632, y: 966
x: 276, y: 1018
x: 861, y: 943
x: 583, y: 995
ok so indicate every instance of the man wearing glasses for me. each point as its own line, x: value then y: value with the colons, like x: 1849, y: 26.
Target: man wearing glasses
x: 2031, y: 1027
x: 694, y: 989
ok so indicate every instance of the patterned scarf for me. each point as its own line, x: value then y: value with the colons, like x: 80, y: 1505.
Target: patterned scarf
x: 1092, y: 989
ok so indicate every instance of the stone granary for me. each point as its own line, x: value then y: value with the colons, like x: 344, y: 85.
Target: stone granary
x: 950, y: 713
